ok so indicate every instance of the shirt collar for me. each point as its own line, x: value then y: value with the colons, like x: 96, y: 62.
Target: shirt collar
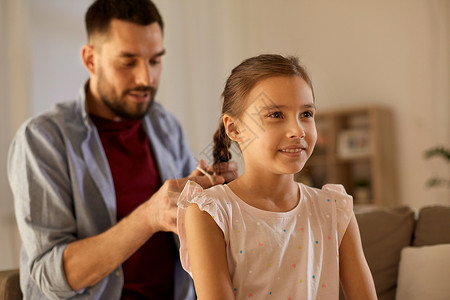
x: 82, y: 105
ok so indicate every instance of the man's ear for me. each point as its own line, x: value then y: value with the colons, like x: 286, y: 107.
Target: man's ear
x: 231, y: 127
x: 87, y: 56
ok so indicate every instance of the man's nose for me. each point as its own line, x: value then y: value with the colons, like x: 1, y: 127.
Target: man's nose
x: 144, y: 75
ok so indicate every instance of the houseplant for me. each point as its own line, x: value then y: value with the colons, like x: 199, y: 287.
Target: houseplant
x: 440, y: 152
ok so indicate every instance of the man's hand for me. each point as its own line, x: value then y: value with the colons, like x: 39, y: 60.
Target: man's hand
x: 228, y: 170
x: 89, y: 260
x: 162, y: 206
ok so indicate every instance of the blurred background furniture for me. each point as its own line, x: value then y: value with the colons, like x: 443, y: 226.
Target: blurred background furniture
x: 395, y: 238
x: 355, y: 148
x: 9, y: 285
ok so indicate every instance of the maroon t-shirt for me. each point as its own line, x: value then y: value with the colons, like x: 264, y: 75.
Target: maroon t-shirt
x: 149, y: 272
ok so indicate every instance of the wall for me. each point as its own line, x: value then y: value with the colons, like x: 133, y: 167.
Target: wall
x: 392, y: 53
x: 14, y: 91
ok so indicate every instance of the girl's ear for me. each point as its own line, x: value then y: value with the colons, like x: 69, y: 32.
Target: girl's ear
x: 87, y: 56
x: 231, y: 127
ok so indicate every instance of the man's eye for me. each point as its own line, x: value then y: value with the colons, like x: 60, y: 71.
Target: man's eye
x: 276, y: 115
x: 155, y: 62
x: 129, y: 64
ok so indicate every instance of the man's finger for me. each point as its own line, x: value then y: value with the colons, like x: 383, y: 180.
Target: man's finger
x: 173, y: 197
x: 173, y: 226
x: 225, y: 167
x: 177, y: 185
x: 229, y: 176
x: 228, y: 170
x: 201, y: 166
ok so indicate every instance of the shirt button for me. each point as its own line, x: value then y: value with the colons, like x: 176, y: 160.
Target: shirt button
x: 117, y: 273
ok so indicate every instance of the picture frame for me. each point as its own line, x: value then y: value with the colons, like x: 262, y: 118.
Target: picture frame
x: 354, y: 143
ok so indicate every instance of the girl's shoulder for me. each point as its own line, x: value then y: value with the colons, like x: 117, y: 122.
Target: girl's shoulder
x: 213, y: 198
x: 331, y: 203
x: 328, y: 194
x: 334, y: 188
x: 215, y: 201
x: 326, y: 190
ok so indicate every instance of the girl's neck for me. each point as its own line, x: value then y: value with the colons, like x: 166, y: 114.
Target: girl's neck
x: 273, y: 192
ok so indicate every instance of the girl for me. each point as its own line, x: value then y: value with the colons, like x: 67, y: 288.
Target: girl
x: 263, y: 235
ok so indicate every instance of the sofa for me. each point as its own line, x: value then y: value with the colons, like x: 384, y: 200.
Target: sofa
x: 408, y: 252
x: 9, y: 285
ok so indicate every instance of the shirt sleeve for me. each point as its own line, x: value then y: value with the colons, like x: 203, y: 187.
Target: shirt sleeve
x: 193, y: 194
x: 344, y: 207
x: 39, y: 179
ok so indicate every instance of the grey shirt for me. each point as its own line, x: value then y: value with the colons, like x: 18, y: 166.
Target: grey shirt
x: 63, y: 191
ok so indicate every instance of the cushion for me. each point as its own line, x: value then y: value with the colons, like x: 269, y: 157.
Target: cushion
x: 384, y: 233
x: 424, y: 273
x: 433, y: 226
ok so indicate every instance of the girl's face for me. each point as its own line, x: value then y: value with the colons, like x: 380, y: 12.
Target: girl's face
x: 277, y: 131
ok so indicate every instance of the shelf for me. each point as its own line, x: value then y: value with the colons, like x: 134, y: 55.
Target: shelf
x: 354, y: 148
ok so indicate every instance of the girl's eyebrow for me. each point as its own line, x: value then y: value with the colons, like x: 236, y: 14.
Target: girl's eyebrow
x: 311, y: 106
x: 278, y: 107
x: 272, y: 107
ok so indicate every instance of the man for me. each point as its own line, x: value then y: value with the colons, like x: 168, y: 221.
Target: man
x: 95, y: 202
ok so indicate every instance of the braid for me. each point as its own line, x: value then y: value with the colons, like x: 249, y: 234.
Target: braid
x: 222, y: 145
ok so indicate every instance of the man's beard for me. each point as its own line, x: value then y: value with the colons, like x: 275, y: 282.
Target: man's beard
x: 118, y: 104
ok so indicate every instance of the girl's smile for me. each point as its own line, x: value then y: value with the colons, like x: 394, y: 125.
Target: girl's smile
x: 293, y: 150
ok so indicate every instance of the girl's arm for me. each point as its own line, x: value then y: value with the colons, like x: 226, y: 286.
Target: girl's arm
x: 356, y: 279
x: 207, y: 256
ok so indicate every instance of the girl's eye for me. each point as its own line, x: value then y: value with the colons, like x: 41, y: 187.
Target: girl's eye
x: 307, y: 114
x: 276, y: 115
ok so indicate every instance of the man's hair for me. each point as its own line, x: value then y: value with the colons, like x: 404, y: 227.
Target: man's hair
x: 100, y: 14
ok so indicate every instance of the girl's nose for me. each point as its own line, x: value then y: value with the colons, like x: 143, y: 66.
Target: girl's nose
x: 296, y: 130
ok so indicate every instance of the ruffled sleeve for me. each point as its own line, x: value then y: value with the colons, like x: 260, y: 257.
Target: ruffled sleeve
x: 344, y: 207
x: 206, y: 200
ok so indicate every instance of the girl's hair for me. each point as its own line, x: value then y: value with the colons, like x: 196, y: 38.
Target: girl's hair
x: 241, y: 81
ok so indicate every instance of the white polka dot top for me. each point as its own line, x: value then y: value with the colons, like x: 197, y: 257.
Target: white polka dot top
x: 273, y: 255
